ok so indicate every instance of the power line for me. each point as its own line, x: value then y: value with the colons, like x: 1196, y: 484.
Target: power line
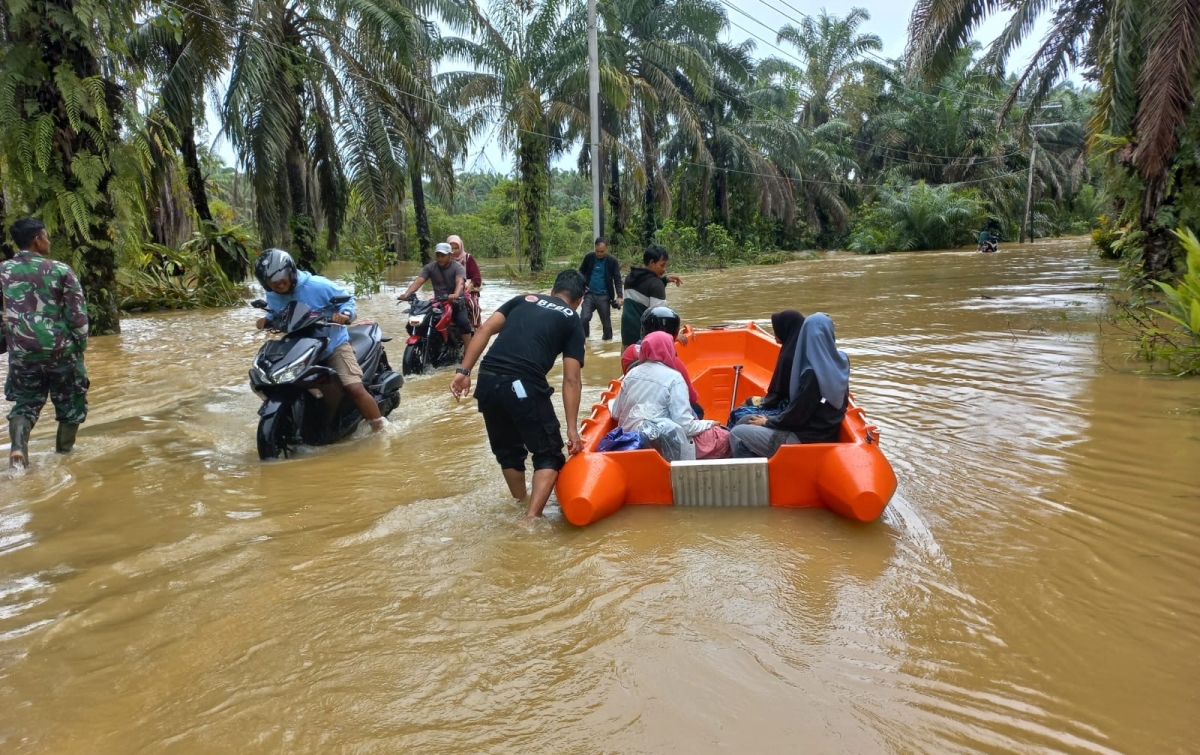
x: 885, y: 61
x: 872, y: 145
x: 563, y: 140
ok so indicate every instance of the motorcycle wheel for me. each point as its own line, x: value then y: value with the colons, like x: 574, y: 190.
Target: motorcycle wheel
x: 273, y: 436
x: 413, y: 362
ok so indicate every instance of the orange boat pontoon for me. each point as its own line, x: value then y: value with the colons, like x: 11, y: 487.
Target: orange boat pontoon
x: 851, y: 477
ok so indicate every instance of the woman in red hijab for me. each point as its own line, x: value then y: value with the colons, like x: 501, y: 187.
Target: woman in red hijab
x: 654, y: 400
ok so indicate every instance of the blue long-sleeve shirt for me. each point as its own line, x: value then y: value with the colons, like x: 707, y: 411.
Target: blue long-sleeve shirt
x: 316, y: 292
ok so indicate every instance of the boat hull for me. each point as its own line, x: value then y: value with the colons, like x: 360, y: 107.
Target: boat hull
x: 851, y: 477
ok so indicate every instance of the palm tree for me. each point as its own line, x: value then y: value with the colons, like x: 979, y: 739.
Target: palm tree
x: 62, y: 108
x: 188, y: 52
x: 279, y: 115
x: 738, y: 145
x: 834, y: 51
x: 519, y: 63
x: 1143, y: 53
x: 663, y: 52
x: 402, y: 132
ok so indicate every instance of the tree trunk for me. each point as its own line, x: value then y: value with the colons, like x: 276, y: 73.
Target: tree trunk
x: 1158, y: 254
x: 723, y: 197
x: 399, y: 231
x: 420, y: 213
x: 650, y: 168
x: 705, y: 200
x: 97, y: 252
x: 300, y: 223
x: 532, y: 159
x: 616, y: 207
x: 195, y: 177
x: 98, y: 275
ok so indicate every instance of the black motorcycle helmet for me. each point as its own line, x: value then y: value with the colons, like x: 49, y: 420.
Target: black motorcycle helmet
x: 660, y: 318
x: 273, y: 265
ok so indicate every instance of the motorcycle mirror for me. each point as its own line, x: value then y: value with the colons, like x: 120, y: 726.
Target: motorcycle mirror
x: 339, y: 300
x: 259, y: 304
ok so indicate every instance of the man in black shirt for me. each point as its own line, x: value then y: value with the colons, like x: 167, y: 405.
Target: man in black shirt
x: 513, y: 394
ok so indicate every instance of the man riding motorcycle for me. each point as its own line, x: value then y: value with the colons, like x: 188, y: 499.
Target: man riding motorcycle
x: 449, y: 281
x: 284, y: 283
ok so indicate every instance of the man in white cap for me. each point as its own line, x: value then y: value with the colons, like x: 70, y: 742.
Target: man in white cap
x: 449, y: 280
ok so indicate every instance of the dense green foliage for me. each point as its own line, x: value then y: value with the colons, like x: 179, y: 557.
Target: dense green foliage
x: 919, y: 217
x: 1144, y: 55
x: 348, y: 118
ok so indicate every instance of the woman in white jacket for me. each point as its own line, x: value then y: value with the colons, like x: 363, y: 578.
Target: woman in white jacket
x: 654, y: 401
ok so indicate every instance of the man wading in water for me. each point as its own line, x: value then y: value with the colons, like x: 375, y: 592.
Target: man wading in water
x: 513, y: 395
x: 603, y: 274
x: 645, y: 288
x: 45, y: 330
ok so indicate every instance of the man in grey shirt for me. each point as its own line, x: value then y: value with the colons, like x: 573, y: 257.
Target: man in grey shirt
x: 449, y: 279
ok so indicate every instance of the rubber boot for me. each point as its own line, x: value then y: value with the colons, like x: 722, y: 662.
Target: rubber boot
x: 18, y: 432
x: 64, y: 441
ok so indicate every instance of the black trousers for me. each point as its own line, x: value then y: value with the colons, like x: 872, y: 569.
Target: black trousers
x: 599, y: 304
x: 520, y: 427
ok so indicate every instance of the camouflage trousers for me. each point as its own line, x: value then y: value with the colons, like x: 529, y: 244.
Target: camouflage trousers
x: 65, y: 381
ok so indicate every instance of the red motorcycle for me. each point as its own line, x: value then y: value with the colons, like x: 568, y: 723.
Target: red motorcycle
x: 433, y: 339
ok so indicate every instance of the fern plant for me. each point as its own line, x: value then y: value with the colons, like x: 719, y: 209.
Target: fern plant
x: 61, y: 112
x: 1183, y: 299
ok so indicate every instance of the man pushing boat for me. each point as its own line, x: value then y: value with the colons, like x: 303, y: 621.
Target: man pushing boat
x: 513, y: 394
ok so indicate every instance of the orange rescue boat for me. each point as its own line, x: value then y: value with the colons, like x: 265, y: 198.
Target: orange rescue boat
x: 851, y: 477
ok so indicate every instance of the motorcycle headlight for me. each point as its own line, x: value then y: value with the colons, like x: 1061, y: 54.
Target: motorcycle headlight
x: 415, y: 321
x: 292, y: 370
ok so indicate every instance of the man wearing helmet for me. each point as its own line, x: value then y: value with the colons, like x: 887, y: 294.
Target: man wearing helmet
x: 449, y: 281
x: 662, y: 318
x: 276, y: 271
x: 654, y: 319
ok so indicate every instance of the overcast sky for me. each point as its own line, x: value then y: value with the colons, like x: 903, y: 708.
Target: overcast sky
x: 761, y: 18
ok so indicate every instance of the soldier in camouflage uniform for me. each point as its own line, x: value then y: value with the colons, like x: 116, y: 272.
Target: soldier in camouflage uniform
x: 45, y: 329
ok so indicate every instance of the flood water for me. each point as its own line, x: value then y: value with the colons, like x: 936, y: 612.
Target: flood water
x: 1032, y: 588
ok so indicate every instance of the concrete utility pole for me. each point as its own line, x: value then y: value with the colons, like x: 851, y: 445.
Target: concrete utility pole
x: 594, y: 102
x: 1027, y: 216
x: 1029, y: 194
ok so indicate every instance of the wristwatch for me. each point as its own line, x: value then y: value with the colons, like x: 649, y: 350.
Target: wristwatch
x: 463, y: 371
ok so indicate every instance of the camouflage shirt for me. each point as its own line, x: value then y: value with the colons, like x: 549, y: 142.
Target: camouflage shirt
x: 45, y: 316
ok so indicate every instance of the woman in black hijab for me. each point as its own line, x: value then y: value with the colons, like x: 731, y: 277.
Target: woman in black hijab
x: 787, y: 326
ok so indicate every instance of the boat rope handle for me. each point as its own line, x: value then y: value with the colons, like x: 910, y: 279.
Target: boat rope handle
x: 872, y: 434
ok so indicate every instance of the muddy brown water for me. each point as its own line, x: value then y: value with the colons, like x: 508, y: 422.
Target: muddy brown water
x: 1032, y: 587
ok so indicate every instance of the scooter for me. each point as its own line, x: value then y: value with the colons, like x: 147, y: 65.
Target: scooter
x: 989, y: 246
x: 433, y: 340
x: 303, y: 400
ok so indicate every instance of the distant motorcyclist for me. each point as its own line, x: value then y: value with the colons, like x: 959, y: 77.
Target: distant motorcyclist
x: 449, y: 281
x: 988, y: 240
x: 277, y: 272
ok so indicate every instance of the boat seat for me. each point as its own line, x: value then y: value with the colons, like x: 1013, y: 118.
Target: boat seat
x: 721, y: 482
x: 361, y: 339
